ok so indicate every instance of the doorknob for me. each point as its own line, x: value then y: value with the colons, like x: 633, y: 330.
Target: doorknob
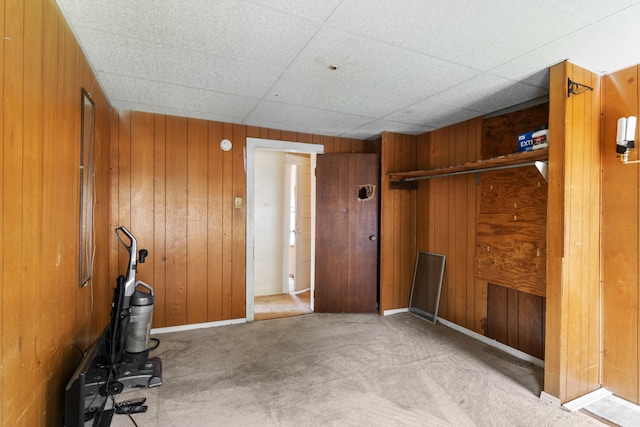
x: 372, y: 237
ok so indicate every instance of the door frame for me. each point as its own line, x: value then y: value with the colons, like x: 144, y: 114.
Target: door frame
x: 250, y: 164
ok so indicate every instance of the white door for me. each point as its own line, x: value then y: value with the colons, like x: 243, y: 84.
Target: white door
x: 300, y: 167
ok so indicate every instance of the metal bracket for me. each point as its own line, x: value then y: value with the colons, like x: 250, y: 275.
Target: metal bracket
x: 543, y: 168
x: 576, y: 88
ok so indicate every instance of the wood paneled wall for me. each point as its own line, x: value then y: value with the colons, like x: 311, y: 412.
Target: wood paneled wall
x: 516, y: 319
x: 620, y: 242
x: 397, y: 221
x: 174, y: 189
x: 46, y: 320
x: 439, y: 217
x: 572, y: 348
x: 450, y: 227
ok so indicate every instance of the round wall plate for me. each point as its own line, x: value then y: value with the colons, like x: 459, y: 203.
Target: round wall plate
x: 225, y: 144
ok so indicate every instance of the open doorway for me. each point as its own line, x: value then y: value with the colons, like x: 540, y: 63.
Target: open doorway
x: 278, y: 282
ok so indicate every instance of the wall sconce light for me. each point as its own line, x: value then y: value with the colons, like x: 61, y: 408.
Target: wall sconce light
x: 625, y: 137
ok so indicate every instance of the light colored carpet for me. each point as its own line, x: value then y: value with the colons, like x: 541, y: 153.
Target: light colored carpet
x: 342, y: 370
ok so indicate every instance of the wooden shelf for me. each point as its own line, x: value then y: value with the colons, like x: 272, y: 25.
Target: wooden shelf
x: 515, y: 160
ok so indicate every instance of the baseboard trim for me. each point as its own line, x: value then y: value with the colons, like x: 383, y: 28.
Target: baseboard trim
x: 395, y: 311
x: 587, y: 399
x: 183, y: 328
x: 493, y: 343
x: 546, y: 397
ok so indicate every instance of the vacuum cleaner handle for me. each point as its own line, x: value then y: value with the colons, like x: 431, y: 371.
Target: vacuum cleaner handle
x: 144, y: 285
x: 132, y: 248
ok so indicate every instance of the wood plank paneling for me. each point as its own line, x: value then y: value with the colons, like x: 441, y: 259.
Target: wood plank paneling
x: 215, y: 226
x: 12, y: 236
x: 197, y: 193
x: 516, y: 319
x: 2, y: 223
x: 176, y: 230
x: 238, y: 307
x: 397, y: 228
x: 159, y: 249
x: 32, y: 213
x: 620, y: 243
x: 171, y: 169
x: 46, y: 319
x: 573, y: 269
x: 450, y: 205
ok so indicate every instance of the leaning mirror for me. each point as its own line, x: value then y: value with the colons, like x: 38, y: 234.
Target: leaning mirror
x: 427, y: 284
x: 86, y: 187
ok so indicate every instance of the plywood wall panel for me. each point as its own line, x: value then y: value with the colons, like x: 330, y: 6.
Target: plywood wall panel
x: 500, y: 132
x: 512, y: 230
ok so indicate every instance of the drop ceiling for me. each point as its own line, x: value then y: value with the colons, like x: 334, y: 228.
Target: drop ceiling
x: 351, y: 68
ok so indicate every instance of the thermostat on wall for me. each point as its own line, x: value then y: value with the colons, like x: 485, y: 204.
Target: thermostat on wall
x: 225, y: 144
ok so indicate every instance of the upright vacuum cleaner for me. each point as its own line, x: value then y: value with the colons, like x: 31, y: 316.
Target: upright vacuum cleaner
x: 120, y: 357
x: 131, y: 315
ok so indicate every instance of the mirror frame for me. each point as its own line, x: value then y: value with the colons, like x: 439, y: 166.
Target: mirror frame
x: 87, y: 119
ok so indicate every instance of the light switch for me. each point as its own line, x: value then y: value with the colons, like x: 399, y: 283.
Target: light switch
x: 237, y: 202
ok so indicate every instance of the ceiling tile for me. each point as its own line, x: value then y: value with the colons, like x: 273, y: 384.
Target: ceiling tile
x: 376, y: 128
x: 304, y: 117
x: 487, y: 93
x: 146, y: 60
x: 334, y: 95
x: 406, y: 64
x: 132, y: 90
x: 233, y: 28
x: 367, y: 63
x: 592, y: 10
x: 310, y: 9
x: 430, y: 114
x: 147, y: 108
x: 626, y: 25
x: 592, y: 48
x: 477, y: 34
